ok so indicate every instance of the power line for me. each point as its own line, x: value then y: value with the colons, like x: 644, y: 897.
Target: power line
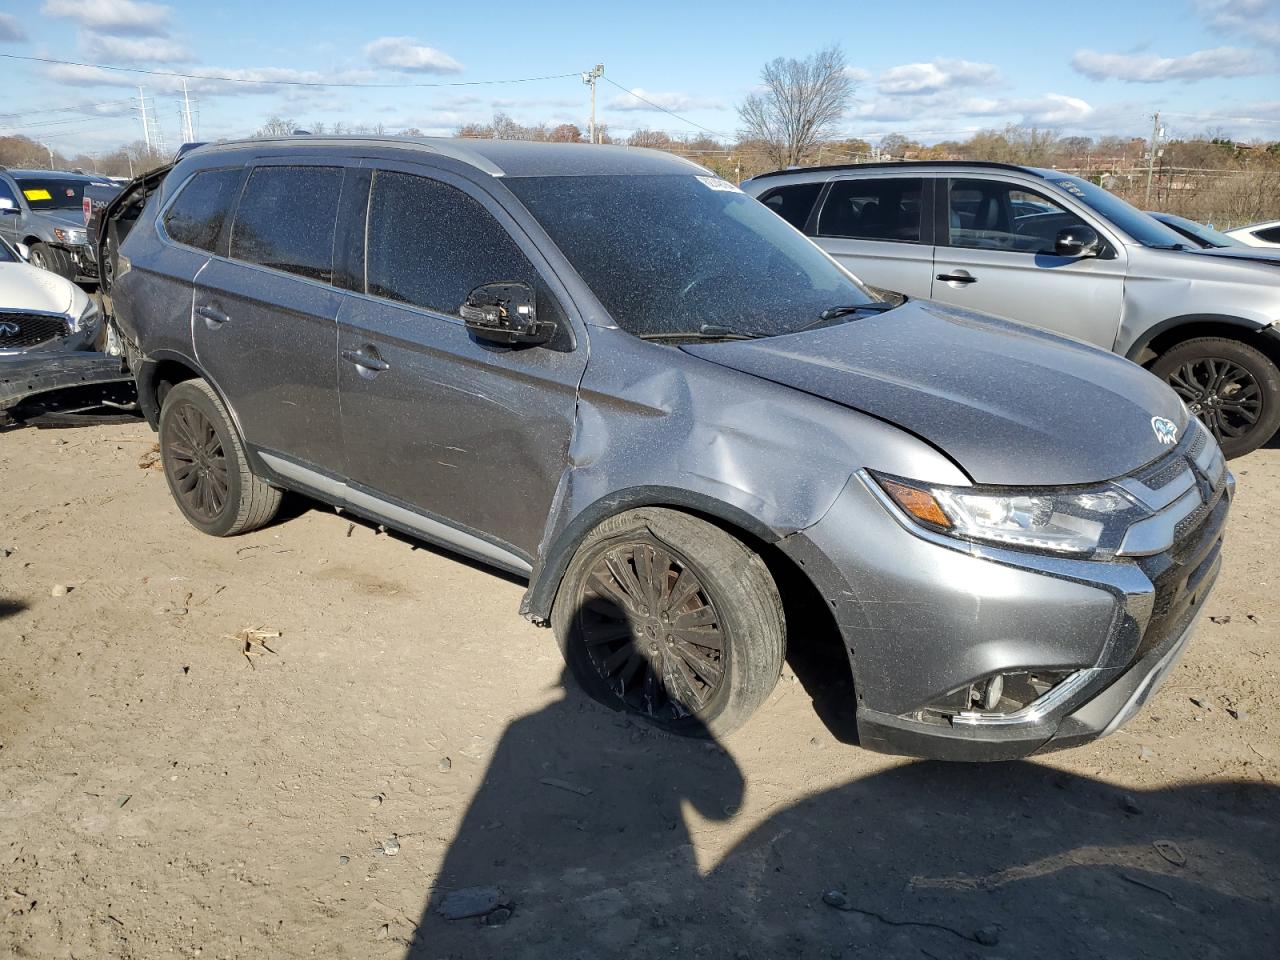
x: 283, y: 83
x: 79, y: 108
x: 692, y: 123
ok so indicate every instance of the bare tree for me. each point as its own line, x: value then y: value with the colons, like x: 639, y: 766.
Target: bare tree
x: 277, y: 127
x: 800, y: 105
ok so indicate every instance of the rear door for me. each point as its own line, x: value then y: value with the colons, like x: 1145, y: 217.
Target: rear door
x: 265, y: 314
x: 997, y: 256
x: 876, y: 227
x: 470, y: 432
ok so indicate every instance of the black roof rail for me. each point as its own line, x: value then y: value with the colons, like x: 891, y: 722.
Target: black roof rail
x: 898, y: 164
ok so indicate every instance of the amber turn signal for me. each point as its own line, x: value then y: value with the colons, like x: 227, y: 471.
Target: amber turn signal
x: 919, y: 503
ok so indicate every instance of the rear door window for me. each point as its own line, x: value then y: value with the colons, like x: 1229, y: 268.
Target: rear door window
x: 196, y: 217
x: 429, y: 244
x: 286, y: 220
x: 884, y: 208
x: 793, y: 203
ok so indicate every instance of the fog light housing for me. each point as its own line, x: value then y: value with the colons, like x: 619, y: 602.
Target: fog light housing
x: 1001, y: 699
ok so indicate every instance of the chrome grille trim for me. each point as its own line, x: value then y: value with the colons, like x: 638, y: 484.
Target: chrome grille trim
x: 1156, y: 534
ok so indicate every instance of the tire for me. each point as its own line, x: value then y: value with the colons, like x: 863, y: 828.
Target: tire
x: 704, y: 586
x: 205, y: 464
x: 51, y: 259
x: 1232, y: 387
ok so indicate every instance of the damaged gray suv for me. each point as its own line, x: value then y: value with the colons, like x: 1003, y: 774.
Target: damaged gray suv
x: 608, y: 371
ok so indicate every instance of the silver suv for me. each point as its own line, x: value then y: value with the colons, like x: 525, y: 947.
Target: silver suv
x: 1059, y: 252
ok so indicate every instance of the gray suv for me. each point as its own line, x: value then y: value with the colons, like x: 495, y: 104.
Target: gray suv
x: 610, y: 372
x: 44, y: 210
x: 1062, y: 253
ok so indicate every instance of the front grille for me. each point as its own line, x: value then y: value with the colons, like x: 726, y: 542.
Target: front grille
x: 30, y: 329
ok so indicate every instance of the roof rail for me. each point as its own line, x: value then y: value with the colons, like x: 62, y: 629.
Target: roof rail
x: 897, y: 164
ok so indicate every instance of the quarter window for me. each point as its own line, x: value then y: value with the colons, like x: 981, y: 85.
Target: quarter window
x: 1270, y: 235
x: 286, y: 220
x: 429, y: 244
x: 197, y: 215
x: 793, y: 202
x: 886, y: 208
x: 990, y: 215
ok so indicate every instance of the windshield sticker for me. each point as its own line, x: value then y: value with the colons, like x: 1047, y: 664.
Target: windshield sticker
x: 37, y: 193
x: 715, y: 183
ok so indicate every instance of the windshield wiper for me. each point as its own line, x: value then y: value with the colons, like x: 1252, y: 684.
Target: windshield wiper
x: 707, y: 331
x: 835, y: 313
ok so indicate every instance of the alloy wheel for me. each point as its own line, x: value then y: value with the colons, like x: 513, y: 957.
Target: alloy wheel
x: 198, y: 463
x: 1223, y: 394
x: 651, y: 630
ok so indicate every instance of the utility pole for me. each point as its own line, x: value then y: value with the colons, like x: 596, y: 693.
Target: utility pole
x: 1156, y: 133
x: 590, y: 78
x: 146, y: 127
x: 50, y: 149
x: 188, y: 132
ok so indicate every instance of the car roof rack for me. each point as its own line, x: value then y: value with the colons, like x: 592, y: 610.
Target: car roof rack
x: 898, y: 164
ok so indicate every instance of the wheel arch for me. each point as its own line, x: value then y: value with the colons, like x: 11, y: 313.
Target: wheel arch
x: 158, y: 372
x: 1167, y: 334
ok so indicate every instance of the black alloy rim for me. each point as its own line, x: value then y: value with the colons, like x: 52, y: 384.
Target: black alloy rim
x: 651, y: 630
x: 198, y: 462
x: 1223, y: 394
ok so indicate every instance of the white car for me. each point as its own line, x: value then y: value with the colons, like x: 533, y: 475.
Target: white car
x: 40, y: 312
x: 1259, y: 234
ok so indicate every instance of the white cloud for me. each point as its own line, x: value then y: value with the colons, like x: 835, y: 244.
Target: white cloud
x: 129, y: 17
x: 1150, y: 68
x: 857, y: 74
x: 410, y: 55
x: 252, y: 80
x: 11, y: 30
x: 662, y: 101
x: 135, y: 49
x: 917, y: 78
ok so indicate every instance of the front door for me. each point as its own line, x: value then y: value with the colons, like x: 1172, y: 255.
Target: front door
x: 876, y: 228
x: 999, y: 258
x: 265, y: 315
x: 472, y: 433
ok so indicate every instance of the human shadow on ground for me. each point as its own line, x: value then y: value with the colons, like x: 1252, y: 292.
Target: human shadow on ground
x: 583, y: 822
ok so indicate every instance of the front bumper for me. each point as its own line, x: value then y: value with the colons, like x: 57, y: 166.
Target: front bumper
x: 921, y: 618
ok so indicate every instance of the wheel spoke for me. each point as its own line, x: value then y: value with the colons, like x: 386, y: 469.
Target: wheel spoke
x: 607, y: 633
x: 615, y: 660
x: 704, y: 668
x: 609, y: 588
x: 626, y: 579
x: 695, y: 618
x: 686, y: 586
x: 646, y: 570
x: 700, y: 637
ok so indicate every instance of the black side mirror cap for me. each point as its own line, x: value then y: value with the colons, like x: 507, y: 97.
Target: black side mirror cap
x: 507, y: 313
x: 1079, y: 241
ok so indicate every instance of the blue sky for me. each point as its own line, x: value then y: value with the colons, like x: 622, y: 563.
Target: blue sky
x: 930, y: 70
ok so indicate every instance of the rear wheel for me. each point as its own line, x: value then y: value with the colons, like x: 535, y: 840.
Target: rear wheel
x: 205, y: 464
x: 1233, y: 388
x: 671, y: 618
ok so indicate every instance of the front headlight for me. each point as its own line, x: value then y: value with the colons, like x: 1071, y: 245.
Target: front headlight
x: 88, y: 316
x: 71, y: 236
x: 1079, y: 522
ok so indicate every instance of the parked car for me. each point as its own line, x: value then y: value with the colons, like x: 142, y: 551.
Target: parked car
x: 1094, y: 268
x: 43, y: 210
x: 1201, y: 235
x: 610, y: 372
x: 1258, y: 234
x: 40, y: 312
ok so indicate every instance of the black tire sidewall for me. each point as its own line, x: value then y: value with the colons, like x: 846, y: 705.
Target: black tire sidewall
x: 189, y: 392
x: 1259, y: 366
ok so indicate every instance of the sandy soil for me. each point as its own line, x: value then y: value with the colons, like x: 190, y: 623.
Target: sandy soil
x: 407, y: 735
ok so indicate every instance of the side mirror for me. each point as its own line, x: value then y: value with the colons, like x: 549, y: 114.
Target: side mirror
x: 23, y: 250
x: 505, y: 313
x: 1079, y: 241
x: 8, y: 206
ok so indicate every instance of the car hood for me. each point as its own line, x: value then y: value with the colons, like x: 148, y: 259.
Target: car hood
x: 66, y: 218
x: 24, y: 287
x: 1010, y: 404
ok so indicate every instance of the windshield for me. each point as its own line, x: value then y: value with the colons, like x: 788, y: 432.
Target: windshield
x: 8, y: 254
x: 670, y: 254
x: 1200, y: 232
x: 51, y: 193
x: 1142, y: 227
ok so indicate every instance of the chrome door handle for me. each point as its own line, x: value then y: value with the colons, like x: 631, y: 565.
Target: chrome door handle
x: 367, y: 361
x: 957, y: 278
x: 212, y: 316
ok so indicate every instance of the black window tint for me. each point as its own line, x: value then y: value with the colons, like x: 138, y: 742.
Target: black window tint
x: 7, y: 192
x: 1270, y: 235
x: 286, y: 220
x: 430, y: 244
x: 792, y: 202
x: 887, y: 208
x: 990, y: 215
x: 196, y: 216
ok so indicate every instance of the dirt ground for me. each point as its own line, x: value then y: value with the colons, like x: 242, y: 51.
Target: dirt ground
x: 407, y: 735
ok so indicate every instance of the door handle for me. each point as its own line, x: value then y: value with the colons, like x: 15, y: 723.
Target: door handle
x: 957, y: 278
x: 212, y: 316
x: 365, y: 360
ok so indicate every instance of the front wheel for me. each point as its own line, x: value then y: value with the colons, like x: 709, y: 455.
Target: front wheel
x: 1232, y: 387
x: 52, y: 259
x: 671, y: 618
